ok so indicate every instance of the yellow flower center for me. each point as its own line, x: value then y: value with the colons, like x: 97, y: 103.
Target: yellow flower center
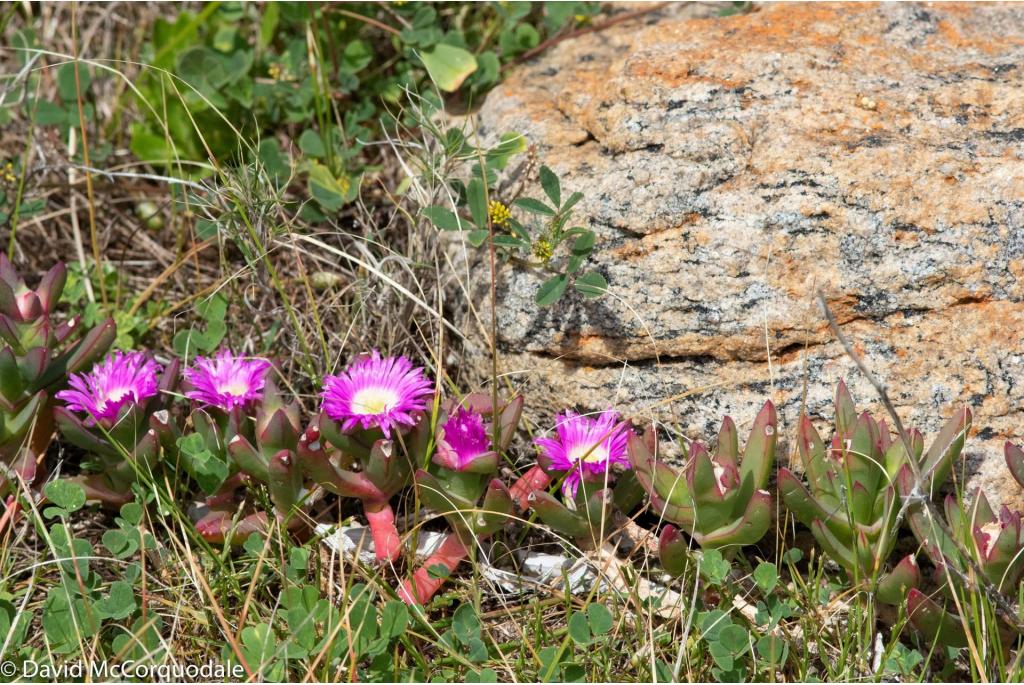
x: 235, y: 389
x: 591, y: 454
x: 374, y: 400
x: 116, y: 394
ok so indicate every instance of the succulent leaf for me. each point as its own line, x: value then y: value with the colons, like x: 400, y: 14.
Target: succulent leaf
x: 558, y: 516
x: 747, y: 530
x: 935, y: 623
x: 673, y: 551
x: 948, y: 444
x: 759, y: 453
x: 893, y: 586
x: 1015, y: 462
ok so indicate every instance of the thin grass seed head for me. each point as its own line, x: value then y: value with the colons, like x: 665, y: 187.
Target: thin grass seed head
x: 376, y: 392
x: 586, y: 448
x: 226, y: 381
x: 122, y: 379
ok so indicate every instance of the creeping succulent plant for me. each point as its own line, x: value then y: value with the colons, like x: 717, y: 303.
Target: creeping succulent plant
x: 373, y: 414
x: 994, y: 542
x: 583, y: 452
x: 851, y: 502
x: 241, y: 432
x: 36, y: 356
x: 460, y: 484
x: 371, y: 469
x: 270, y: 453
x: 118, y: 413
x: 719, y: 498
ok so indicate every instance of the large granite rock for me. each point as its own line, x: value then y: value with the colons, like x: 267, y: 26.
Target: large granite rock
x: 735, y: 166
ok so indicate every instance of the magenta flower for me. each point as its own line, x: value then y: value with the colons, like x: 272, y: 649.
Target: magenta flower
x: 123, y: 378
x: 586, y: 447
x: 375, y: 392
x: 226, y: 381
x: 462, y: 440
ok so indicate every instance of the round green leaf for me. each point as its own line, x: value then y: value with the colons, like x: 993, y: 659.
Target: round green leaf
x: 448, y: 65
x: 394, y: 619
x: 772, y: 649
x: 734, y: 638
x: 65, y: 494
x: 466, y: 624
x: 579, y: 628
x: 766, y: 575
x: 601, y: 620
x: 312, y: 144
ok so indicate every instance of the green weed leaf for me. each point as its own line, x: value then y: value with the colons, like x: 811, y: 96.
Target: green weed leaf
x: 70, y: 497
x: 552, y: 188
x: 591, y: 284
x: 534, y: 206
x: 772, y: 649
x: 312, y: 144
x: 448, y: 66
x: 445, y: 219
x: 601, y: 620
x: 579, y: 628
x: 394, y: 619
x: 476, y: 195
x: 584, y: 243
x: 766, y: 575
x: 714, y: 567
x: 478, y: 237
x: 551, y: 289
x: 120, y: 603
x: 466, y: 624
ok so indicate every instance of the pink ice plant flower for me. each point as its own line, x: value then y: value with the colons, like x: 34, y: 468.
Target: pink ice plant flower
x: 463, y: 438
x: 586, y: 447
x: 376, y: 392
x: 226, y: 381
x: 123, y: 378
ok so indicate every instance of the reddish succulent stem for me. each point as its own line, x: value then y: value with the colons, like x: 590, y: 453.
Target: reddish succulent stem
x: 214, y: 527
x: 531, y: 481
x: 11, y: 514
x: 421, y: 587
x: 386, y: 542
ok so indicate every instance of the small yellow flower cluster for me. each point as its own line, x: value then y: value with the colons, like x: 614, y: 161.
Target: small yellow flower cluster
x: 498, y: 213
x: 274, y: 71
x: 9, y: 176
x: 543, y: 250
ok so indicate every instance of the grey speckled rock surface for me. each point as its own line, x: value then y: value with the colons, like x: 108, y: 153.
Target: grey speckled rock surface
x: 734, y: 166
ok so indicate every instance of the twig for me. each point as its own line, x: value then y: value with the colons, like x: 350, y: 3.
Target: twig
x: 555, y: 40
x: 369, y: 20
x: 167, y: 273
